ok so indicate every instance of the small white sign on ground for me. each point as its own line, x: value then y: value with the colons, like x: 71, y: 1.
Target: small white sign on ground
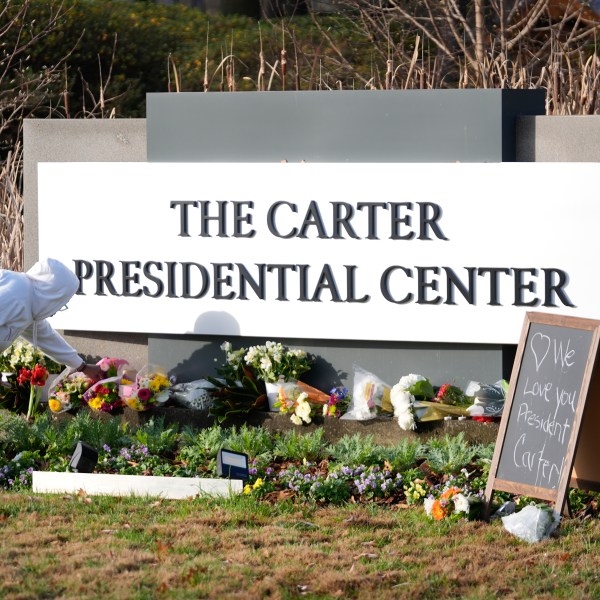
x: 98, y: 484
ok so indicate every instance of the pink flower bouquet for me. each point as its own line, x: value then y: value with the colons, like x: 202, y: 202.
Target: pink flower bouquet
x: 104, y: 395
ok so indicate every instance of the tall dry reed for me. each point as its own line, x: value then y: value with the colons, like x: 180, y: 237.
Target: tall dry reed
x: 11, y: 211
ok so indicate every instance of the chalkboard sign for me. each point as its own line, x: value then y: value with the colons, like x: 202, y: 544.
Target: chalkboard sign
x: 542, y: 417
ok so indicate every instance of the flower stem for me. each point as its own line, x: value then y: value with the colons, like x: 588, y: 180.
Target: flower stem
x: 34, y: 398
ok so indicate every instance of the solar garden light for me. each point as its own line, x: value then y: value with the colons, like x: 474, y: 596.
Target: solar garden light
x: 233, y: 465
x: 84, y: 459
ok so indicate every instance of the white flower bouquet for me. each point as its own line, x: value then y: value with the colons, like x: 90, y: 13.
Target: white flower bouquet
x: 274, y: 362
x: 404, y: 395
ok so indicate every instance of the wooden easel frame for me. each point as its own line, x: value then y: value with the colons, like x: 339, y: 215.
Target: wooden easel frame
x: 559, y: 495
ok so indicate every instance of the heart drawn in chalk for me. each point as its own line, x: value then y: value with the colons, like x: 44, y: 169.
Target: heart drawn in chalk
x: 540, y: 346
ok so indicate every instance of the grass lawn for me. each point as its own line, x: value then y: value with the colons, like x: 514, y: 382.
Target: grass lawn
x: 101, y: 547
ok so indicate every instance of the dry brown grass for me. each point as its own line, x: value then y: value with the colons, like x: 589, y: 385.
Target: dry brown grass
x: 118, y: 548
x: 11, y: 212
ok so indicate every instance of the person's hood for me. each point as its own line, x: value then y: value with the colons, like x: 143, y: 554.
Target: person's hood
x: 53, y: 286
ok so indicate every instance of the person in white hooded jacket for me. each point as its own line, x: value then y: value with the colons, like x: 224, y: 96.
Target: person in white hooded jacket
x: 28, y: 299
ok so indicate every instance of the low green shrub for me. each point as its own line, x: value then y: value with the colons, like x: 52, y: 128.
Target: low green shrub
x: 256, y: 442
x: 356, y: 449
x: 404, y: 455
x: 292, y: 445
x: 449, y: 454
x: 157, y: 437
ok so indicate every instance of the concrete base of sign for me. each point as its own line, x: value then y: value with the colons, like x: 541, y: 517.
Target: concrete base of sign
x: 97, y: 484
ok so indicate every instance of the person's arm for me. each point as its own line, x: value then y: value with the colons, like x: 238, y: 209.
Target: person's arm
x: 50, y: 342
x: 6, y: 337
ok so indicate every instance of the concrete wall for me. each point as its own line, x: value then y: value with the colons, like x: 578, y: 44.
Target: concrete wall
x: 558, y: 139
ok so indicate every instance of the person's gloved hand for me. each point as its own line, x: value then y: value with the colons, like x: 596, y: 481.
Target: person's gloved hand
x: 93, y: 372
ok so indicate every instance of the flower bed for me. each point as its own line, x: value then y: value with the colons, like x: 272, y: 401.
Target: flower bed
x: 444, y: 475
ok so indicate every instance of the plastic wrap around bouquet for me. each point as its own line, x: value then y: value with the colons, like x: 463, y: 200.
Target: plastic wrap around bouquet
x: 449, y: 401
x: 284, y: 394
x: 104, y: 395
x: 300, y: 401
x: 149, y: 389
x: 67, y: 391
x: 488, y: 400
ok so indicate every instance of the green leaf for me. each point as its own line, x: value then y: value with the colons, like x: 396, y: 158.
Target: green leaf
x: 422, y: 390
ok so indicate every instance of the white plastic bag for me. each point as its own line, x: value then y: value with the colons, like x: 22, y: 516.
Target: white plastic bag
x: 194, y: 394
x: 287, y: 390
x: 532, y: 524
x: 370, y: 395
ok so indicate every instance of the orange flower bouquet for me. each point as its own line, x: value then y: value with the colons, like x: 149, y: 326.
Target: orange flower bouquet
x: 452, y: 502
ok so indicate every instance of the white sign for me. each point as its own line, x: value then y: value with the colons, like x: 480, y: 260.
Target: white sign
x: 404, y: 252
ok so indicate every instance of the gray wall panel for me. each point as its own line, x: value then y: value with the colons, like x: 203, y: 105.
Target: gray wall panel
x: 194, y: 357
x: 338, y: 126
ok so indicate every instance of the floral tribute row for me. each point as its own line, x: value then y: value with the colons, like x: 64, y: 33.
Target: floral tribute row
x: 260, y: 377
x: 268, y: 376
x: 113, y: 391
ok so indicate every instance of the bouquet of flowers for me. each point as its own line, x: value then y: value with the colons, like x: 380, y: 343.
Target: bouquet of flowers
x: 404, y: 395
x: 104, y: 395
x: 338, y: 401
x: 414, y: 400
x: 488, y: 400
x: 20, y: 355
x: 149, y: 389
x: 241, y: 385
x: 237, y: 390
x: 68, y: 392
x: 300, y: 408
x: 450, y: 401
x: 371, y: 396
x: 274, y: 362
x: 36, y: 378
x: 452, y: 502
x: 452, y: 395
